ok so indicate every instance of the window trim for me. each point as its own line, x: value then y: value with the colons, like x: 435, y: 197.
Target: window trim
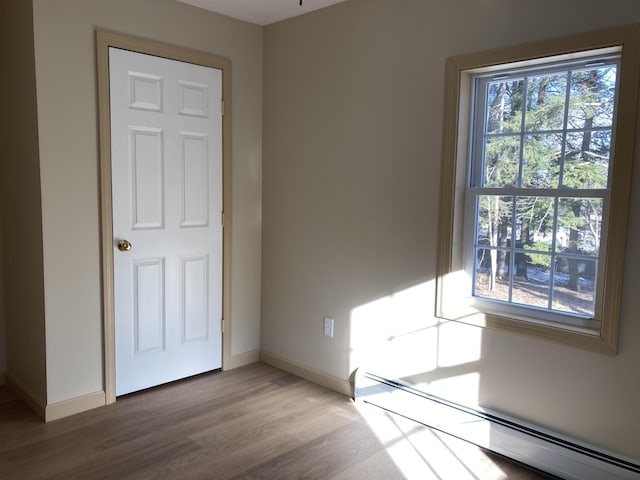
x: 450, y: 276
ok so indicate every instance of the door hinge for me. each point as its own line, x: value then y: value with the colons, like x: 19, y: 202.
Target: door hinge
x: 222, y: 108
x: 222, y: 325
x: 222, y: 218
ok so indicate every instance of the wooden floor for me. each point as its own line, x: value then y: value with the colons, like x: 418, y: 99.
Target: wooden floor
x: 256, y: 422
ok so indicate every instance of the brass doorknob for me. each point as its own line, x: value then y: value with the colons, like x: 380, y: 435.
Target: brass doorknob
x: 124, y: 245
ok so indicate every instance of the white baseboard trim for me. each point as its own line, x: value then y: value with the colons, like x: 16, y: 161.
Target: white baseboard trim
x: 69, y: 407
x: 58, y: 410
x: 25, y: 394
x: 339, y: 385
x: 241, y: 359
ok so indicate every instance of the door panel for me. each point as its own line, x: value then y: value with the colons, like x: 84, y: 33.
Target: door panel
x: 194, y: 298
x: 147, y: 182
x: 148, y: 308
x: 194, y: 171
x: 166, y: 149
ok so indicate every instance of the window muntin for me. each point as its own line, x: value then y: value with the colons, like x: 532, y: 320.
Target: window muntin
x: 539, y: 187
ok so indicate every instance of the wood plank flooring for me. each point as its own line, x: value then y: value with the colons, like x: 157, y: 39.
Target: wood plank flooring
x: 256, y: 422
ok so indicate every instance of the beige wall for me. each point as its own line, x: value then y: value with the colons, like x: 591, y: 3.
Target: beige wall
x: 353, y: 113
x: 67, y: 120
x: 21, y: 209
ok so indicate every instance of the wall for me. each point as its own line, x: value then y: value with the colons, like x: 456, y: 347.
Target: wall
x: 353, y: 113
x: 21, y: 208
x: 67, y: 120
x: 3, y: 341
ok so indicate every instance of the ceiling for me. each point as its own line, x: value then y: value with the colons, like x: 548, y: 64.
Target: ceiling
x: 262, y: 12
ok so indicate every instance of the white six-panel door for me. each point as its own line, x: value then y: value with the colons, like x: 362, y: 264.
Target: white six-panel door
x: 166, y: 155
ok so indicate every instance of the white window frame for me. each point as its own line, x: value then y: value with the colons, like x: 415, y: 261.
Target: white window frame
x: 454, y: 284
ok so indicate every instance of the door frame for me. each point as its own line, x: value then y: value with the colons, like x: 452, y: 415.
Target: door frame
x: 104, y: 40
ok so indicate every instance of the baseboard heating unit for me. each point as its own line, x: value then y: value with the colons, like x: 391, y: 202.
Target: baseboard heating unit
x: 529, y: 444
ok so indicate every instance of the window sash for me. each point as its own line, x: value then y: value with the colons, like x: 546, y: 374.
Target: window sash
x: 479, y: 111
x: 475, y: 188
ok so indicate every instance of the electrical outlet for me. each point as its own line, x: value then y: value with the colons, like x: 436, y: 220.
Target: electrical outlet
x: 328, y: 327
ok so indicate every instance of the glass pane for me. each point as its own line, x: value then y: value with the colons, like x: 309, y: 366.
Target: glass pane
x: 592, y: 97
x: 532, y: 261
x: 502, y: 161
x: 586, y: 161
x: 546, y: 96
x: 494, y: 229
x: 494, y: 220
x: 574, y: 285
x: 488, y: 282
x: 534, y: 223
x: 504, y: 106
x: 541, y: 161
x: 532, y: 280
x: 579, y: 226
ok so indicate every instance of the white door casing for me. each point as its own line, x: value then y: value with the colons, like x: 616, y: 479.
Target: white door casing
x: 166, y: 169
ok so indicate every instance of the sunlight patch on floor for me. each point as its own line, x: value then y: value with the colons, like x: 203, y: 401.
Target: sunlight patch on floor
x: 422, y: 453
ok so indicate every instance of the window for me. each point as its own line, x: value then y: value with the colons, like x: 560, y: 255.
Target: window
x: 538, y: 186
x: 538, y: 149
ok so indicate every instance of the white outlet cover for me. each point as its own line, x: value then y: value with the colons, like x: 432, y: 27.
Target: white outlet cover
x: 328, y: 327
